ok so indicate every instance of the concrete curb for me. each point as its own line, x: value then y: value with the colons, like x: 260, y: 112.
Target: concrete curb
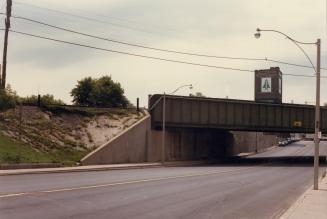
x: 100, y: 167
x: 78, y: 169
x: 29, y: 166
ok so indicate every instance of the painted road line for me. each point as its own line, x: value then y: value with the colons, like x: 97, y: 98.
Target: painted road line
x: 121, y: 183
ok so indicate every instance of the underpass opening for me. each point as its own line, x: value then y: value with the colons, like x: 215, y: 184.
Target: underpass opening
x: 191, y: 143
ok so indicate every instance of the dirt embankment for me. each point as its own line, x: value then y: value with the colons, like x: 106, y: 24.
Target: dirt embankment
x: 47, y: 131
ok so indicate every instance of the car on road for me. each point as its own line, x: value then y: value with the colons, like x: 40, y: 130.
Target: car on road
x: 282, y: 143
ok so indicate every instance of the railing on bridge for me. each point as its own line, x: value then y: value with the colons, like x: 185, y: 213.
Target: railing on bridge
x: 238, y: 115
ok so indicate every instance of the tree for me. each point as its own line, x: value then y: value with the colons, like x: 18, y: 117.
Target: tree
x: 102, y: 92
x: 82, y: 93
x: 197, y: 94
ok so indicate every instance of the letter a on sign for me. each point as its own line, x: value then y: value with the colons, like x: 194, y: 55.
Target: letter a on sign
x: 266, y: 85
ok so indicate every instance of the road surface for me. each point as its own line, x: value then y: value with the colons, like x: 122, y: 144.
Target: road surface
x: 216, y: 191
x: 297, y: 149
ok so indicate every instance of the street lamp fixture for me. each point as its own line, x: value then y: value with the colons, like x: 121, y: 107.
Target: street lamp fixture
x: 186, y: 85
x: 257, y: 34
x: 163, y: 146
x: 317, y: 108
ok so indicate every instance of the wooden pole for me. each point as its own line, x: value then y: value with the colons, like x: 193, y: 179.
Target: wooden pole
x: 4, y: 61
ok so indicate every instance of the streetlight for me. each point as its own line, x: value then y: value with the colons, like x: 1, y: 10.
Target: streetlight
x: 163, y: 145
x: 317, y: 110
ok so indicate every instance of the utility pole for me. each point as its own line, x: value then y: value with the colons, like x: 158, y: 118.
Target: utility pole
x: 4, y: 61
x: 317, y: 120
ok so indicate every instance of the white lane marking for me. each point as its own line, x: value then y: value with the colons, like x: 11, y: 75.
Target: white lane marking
x: 13, y: 194
x: 120, y: 183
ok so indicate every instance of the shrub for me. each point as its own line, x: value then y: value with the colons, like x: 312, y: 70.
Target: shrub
x: 8, y: 99
x: 47, y: 99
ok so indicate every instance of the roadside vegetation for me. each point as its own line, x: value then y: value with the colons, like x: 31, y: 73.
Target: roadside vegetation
x: 47, y: 99
x: 8, y: 98
x: 99, y: 92
x: 52, y: 132
x: 12, y: 152
x: 60, y: 134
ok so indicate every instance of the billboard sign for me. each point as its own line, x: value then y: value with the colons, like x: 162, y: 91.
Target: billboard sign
x: 266, y: 85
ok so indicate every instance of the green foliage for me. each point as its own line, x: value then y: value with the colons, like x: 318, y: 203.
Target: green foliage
x: 197, y: 94
x: 47, y: 99
x: 8, y: 98
x: 13, y: 152
x: 102, y: 92
x: 83, y: 93
x: 69, y: 110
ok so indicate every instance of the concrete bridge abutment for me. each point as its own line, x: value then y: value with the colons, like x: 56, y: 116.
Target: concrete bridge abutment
x: 140, y: 143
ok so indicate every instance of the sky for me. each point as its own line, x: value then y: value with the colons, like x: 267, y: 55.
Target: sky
x: 220, y: 28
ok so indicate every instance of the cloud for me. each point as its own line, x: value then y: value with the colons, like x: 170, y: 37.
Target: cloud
x: 222, y: 28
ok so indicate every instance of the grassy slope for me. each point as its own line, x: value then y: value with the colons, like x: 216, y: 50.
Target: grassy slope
x: 51, y: 137
x: 12, y: 152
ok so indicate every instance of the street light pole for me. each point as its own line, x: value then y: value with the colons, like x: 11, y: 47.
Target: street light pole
x: 317, y: 107
x: 317, y: 120
x: 163, y: 142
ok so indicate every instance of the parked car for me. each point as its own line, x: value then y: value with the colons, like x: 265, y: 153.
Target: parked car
x: 283, y: 143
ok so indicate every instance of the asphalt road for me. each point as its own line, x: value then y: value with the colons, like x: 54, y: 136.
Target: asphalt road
x: 298, y: 149
x: 216, y: 191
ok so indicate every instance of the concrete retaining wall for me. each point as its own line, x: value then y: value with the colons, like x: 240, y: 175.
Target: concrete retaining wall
x: 128, y: 147
x: 243, y: 142
x: 139, y: 144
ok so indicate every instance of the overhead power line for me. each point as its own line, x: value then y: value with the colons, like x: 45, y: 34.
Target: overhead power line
x: 128, y: 53
x: 90, y: 18
x: 99, y: 14
x: 159, y: 49
x: 129, y: 44
x: 302, y: 75
x: 291, y: 64
x: 143, y: 56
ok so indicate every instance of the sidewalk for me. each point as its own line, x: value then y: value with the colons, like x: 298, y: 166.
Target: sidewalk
x: 99, y: 167
x: 312, y: 204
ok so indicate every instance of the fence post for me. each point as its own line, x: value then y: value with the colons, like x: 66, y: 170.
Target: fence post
x: 138, y: 104
x: 39, y: 100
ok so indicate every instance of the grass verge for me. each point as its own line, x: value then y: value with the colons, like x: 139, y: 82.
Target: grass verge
x: 12, y: 152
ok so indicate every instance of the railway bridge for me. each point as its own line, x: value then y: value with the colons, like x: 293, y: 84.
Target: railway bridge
x: 233, y: 115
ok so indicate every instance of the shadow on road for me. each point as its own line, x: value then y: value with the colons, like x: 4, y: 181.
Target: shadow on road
x: 296, y: 145
x: 275, y: 161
